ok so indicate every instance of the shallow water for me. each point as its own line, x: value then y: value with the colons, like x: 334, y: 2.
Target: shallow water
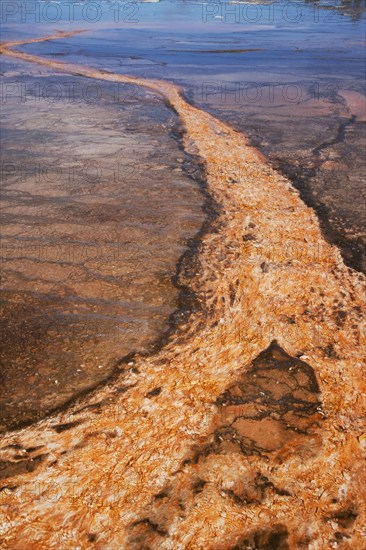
x: 289, y: 75
x: 97, y: 208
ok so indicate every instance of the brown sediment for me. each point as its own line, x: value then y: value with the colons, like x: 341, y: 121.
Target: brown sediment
x: 246, y: 430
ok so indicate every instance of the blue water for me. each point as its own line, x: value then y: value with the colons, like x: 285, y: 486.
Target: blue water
x: 178, y: 39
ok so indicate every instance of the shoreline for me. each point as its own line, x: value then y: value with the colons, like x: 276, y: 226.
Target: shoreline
x: 140, y: 445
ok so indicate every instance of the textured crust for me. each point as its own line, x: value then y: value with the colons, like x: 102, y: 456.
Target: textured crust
x: 245, y: 430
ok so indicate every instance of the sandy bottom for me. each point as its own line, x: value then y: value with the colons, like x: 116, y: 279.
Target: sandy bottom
x: 246, y: 429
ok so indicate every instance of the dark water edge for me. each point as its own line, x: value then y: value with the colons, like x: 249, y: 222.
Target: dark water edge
x: 329, y: 173
x: 341, y: 221
x: 341, y: 232
x: 352, y: 250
